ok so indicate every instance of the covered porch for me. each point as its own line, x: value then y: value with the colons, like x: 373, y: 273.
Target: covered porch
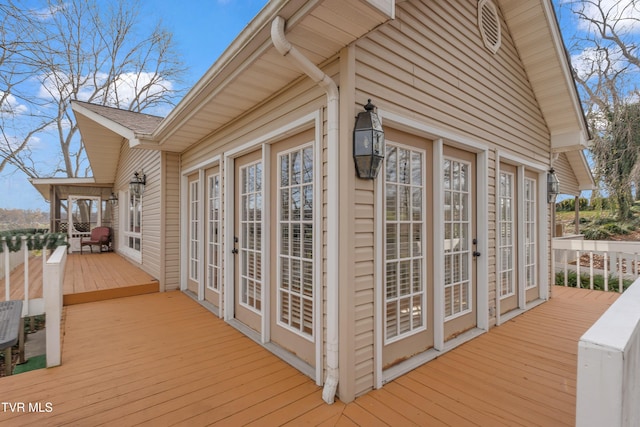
x: 162, y: 359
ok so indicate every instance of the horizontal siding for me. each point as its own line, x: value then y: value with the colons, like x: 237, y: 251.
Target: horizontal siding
x: 149, y: 162
x: 564, y: 172
x: 171, y: 195
x: 430, y: 65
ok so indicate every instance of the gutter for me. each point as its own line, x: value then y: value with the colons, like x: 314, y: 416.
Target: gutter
x: 286, y: 49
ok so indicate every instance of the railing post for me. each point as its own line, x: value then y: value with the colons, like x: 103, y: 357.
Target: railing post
x: 7, y: 270
x: 52, y: 292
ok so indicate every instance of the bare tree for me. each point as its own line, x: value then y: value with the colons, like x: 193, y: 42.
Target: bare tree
x: 606, y: 71
x: 76, y: 50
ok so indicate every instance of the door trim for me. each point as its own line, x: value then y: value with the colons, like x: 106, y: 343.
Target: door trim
x: 308, y: 121
x: 439, y: 137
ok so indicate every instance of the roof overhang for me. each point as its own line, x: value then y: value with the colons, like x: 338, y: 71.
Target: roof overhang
x: 65, y: 187
x: 251, y: 70
x: 535, y: 32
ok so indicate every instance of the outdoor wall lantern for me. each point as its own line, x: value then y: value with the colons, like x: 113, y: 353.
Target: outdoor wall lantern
x: 113, y: 199
x: 553, y: 186
x: 136, y: 186
x: 368, y: 143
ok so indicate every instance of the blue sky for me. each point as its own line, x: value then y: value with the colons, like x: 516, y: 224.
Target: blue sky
x: 202, y: 30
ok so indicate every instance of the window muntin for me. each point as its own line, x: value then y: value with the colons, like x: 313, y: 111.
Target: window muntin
x: 295, y: 228
x: 251, y: 236
x: 506, y: 238
x: 214, y: 233
x: 530, y: 245
x: 405, y: 234
x: 457, y: 239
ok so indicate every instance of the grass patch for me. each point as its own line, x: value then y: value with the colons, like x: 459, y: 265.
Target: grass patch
x: 35, y: 362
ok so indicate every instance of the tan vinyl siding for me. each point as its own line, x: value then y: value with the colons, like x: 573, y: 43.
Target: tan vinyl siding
x: 568, y: 182
x: 430, y: 65
x: 132, y: 160
x: 171, y: 221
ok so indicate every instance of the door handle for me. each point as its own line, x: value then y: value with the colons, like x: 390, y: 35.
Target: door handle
x: 476, y: 254
x: 234, y: 251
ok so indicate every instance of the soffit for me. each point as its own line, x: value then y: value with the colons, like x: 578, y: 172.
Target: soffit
x: 534, y: 29
x: 251, y: 70
x: 102, y: 146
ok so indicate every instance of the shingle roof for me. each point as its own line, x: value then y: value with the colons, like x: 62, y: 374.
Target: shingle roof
x: 139, y: 123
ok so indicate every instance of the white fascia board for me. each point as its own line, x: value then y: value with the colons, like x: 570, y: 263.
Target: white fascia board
x: 569, y: 141
x: 115, y: 127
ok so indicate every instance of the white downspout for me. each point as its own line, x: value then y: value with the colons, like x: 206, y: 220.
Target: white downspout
x: 287, y: 50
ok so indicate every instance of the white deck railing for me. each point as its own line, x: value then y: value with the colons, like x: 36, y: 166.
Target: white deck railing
x: 614, y: 261
x: 608, y: 390
x: 50, y: 303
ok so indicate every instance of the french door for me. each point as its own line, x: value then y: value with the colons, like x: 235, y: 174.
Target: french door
x: 407, y: 291
x: 248, y: 259
x: 194, y: 234
x: 292, y: 249
x: 459, y: 287
x: 213, y: 242
x: 518, y: 251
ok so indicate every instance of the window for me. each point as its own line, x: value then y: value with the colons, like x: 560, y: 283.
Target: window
x: 506, y: 241
x: 295, y: 249
x: 404, y: 276
x: 214, y: 243
x: 194, y: 230
x: 133, y: 223
x: 530, y: 247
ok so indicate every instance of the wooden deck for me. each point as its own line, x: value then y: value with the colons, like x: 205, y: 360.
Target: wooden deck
x: 162, y: 359
x: 88, y: 277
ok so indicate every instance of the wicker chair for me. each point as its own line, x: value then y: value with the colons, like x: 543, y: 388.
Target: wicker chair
x: 100, y: 236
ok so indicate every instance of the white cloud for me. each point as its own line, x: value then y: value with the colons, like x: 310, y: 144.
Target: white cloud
x: 10, y: 106
x: 125, y: 88
x: 625, y: 14
x: 592, y: 61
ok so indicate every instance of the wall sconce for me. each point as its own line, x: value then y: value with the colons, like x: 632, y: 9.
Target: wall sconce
x: 136, y: 186
x: 113, y: 199
x: 368, y: 143
x: 553, y: 186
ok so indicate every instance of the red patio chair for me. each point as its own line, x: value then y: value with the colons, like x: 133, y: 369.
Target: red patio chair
x: 100, y: 236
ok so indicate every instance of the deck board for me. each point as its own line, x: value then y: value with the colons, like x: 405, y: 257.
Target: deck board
x: 88, y: 277
x: 162, y: 359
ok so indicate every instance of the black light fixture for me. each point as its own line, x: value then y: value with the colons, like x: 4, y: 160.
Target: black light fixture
x: 136, y: 186
x: 368, y: 143
x: 553, y: 186
x: 113, y: 199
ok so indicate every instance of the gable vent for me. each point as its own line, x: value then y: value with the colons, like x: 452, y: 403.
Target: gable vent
x: 489, y: 24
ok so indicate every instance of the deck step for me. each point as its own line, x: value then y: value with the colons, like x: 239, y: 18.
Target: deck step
x: 106, y: 294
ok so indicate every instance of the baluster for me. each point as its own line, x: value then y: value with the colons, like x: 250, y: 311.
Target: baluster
x: 591, y: 270
x: 25, y: 305
x: 578, y: 281
x: 566, y: 267
x: 620, y: 275
x: 7, y: 271
x: 606, y: 271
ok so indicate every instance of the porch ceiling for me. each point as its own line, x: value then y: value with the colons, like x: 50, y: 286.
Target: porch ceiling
x: 64, y: 187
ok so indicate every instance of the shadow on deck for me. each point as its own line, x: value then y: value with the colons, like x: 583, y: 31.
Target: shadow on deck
x: 162, y: 359
x: 89, y: 277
